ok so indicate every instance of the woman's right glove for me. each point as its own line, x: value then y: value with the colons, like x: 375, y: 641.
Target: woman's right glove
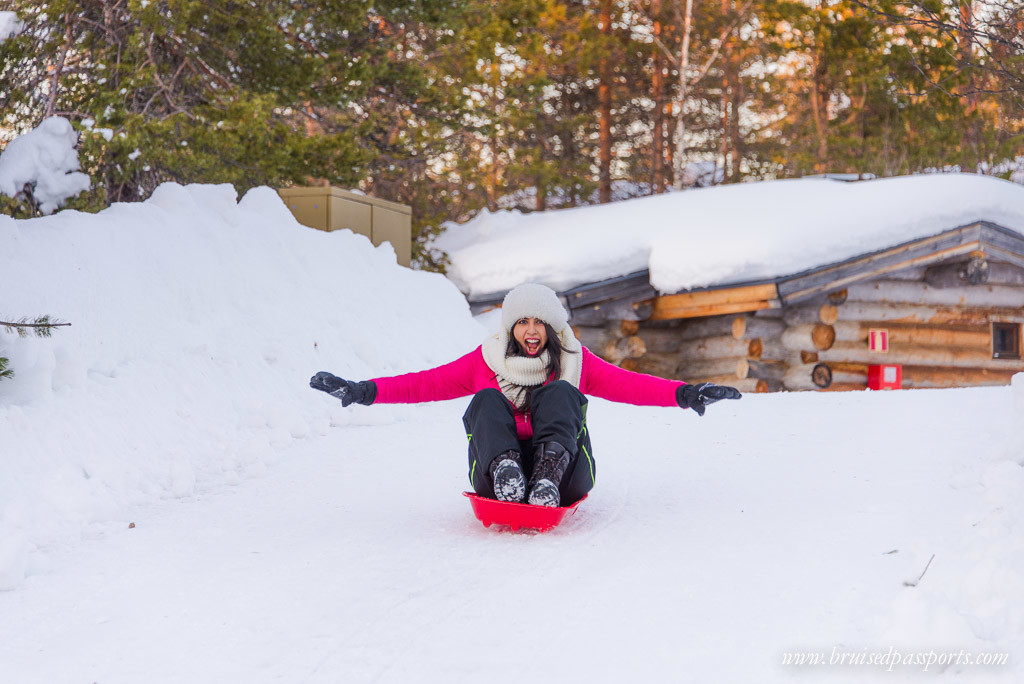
x: 697, y: 397
x: 347, y: 391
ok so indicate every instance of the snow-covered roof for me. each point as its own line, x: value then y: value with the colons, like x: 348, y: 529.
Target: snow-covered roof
x: 719, y: 236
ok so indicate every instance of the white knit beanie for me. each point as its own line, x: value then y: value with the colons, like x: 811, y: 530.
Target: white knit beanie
x: 538, y: 301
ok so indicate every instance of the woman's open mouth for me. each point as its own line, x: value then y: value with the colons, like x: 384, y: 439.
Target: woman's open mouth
x: 532, y: 346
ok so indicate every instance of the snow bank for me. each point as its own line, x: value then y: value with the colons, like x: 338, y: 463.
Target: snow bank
x: 720, y: 235
x: 45, y: 156
x: 197, y: 321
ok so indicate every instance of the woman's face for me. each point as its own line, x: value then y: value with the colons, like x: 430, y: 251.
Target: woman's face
x: 531, y: 335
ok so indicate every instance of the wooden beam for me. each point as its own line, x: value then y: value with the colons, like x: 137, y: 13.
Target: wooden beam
x: 716, y: 302
x: 731, y: 295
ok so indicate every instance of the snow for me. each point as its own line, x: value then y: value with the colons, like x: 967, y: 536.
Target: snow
x: 721, y: 235
x: 278, y: 536
x: 9, y: 25
x: 45, y: 156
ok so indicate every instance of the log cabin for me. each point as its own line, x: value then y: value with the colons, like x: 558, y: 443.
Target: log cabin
x: 946, y: 309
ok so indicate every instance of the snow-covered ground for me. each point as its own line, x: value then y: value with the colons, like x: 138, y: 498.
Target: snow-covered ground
x: 176, y: 505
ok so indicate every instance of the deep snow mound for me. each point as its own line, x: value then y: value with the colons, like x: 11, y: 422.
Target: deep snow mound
x: 197, y: 320
x: 721, y: 235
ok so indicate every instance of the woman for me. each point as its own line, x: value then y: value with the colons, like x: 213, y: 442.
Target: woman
x: 527, y: 422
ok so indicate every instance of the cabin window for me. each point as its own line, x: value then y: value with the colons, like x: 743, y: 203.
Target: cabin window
x: 1006, y: 340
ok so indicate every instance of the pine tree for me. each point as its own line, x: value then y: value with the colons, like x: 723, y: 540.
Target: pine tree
x: 41, y: 326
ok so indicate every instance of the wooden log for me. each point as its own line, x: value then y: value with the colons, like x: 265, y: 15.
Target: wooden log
x: 629, y: 328
x: 609, y: 341
x: 669, y: 339
x: 722, y: 300
x: 596, y: 337
x: 714, y: 326
x: 768, y: 370
x: 804, y: 314
x: 660, y: 340
x: 808, y: 357
x: 749, y: 327
x: 849, y: 368
x: 807, y: 376
x: 910, y: 354
x: 915, y: 376
x: 735, y: 367
x: 978, y: 337
x: 919, y: 313
x: 883, y: 291
x: 773, y: 350
x: 838, y: 297
x: 660, y: 365
x: 958, y: 275
x: 809, y: 336
x: 722, y: 347
x: 625, y: 348
x: 600, y: 314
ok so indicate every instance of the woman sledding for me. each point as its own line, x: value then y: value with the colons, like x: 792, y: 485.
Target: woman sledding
x: 527, y: 421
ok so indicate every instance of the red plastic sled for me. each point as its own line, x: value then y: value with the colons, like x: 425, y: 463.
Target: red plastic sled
x: 518, y: 515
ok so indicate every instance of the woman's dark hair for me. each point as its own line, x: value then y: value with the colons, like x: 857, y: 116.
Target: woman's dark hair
x: 554, y: 348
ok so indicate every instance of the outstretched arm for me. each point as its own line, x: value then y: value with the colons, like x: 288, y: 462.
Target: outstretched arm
x: 456, y: 379
x: 608, y: 381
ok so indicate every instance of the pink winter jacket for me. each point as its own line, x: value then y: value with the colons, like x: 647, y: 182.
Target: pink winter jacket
x: 470, y: 374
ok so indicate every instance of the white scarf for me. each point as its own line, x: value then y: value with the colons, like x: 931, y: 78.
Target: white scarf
x: 517, y: 374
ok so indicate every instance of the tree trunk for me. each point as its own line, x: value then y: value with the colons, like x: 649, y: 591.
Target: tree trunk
x: 604, y: 104
x: 819, y: 111
x: 658, y: 125
x: 679, y: 139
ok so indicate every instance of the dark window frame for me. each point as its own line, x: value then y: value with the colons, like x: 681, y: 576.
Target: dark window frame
x: 1004, y: 351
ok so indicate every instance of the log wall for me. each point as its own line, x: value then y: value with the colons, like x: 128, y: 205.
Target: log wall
x: 939, y: 329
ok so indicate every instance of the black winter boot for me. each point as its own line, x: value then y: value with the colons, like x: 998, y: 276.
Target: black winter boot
x: 508, y: 478
x: 550, y: 462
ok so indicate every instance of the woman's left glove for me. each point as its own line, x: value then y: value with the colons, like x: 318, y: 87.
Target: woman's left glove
x: 347, y: 391
x: 697, y: 397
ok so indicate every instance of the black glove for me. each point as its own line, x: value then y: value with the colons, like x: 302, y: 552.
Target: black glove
x: 699, y: 396
x: 347, y: 391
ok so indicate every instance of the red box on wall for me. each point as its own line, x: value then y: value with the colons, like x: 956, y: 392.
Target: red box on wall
x: 885, y: 377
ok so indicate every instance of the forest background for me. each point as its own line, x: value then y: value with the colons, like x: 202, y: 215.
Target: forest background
x: 454, y: 106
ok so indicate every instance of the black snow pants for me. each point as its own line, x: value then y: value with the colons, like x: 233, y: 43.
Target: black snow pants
x: 558, y: 413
